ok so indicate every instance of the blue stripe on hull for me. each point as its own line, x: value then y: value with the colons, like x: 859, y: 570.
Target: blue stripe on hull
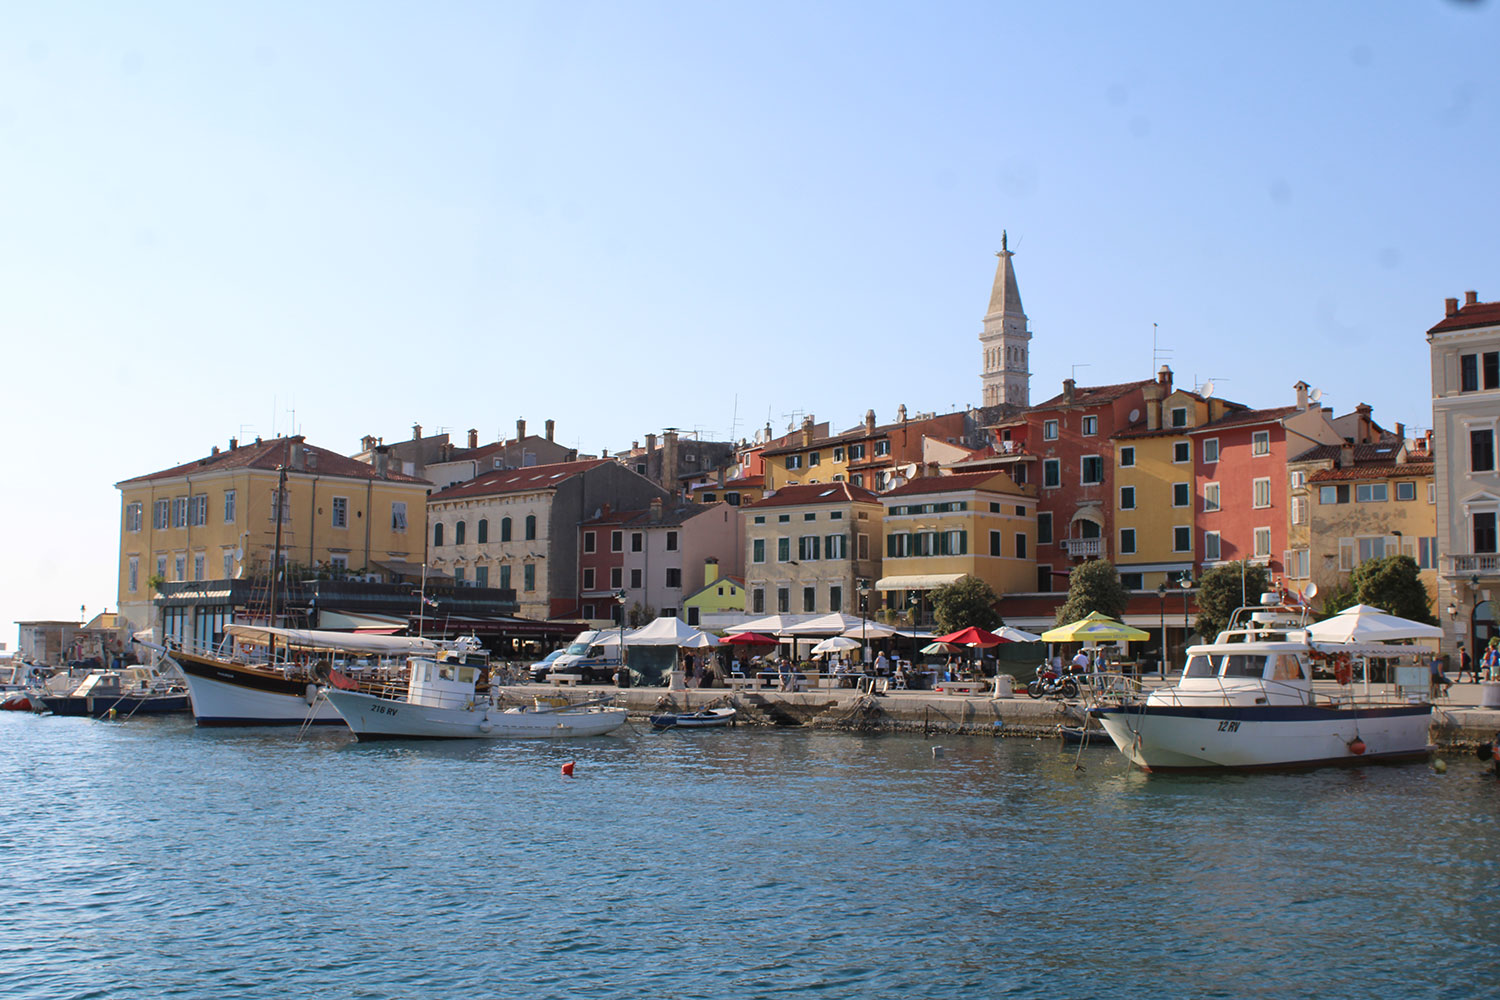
x: 1263, y: 713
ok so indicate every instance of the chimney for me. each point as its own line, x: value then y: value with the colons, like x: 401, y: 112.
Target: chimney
x: 710, y: 570
x: 656, y: 510
x: 1164, y: 379
x: 234, y: 443
x: 869, y: 421
x: 1068, y: 385
x: 1153, y: 395
x: 1301, y: 388
x: 669, y: 457
x: 366, y: 443
x: 1346, y: 456
x: 520, y: 429
x: 1450, y: 307
x: 473, y: 437
x: 382, y: 461
x: 807, y: 428
x: 416, y: 432
x: 1400, y: 432
x: 299, y: 458
x: 215, y: 450
x: 1365, y: 432
x: 901, y: 414
x: 1471, y: 298
x: 650, y: 444
x: 550, y: 425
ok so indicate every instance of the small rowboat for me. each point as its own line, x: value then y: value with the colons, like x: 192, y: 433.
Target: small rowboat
x: 1075, y: 735
x: 695, y: 720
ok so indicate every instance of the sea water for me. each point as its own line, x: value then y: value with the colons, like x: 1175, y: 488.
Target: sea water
x: 151, y: 858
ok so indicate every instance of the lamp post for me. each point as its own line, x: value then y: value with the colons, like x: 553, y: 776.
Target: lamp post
x: 620, y: 600
x: 1186, y: 583
x: 915, y: 600
x: 863, y: 586
x: 1161, y: 597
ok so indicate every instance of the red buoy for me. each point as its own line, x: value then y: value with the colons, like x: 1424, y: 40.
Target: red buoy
x: 1356, y: 746
x: 567, y: 769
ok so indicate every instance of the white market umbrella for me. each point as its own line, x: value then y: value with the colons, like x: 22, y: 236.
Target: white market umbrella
x: 663, y: 632
x: 836, y: 644
x: 1362, y: 623
x: 701, y: 641
x: 833, y: 624
x: 871, y: 629
x: 1016, y: 635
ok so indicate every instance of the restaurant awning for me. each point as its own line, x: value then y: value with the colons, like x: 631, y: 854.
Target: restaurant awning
x: 917, y: 581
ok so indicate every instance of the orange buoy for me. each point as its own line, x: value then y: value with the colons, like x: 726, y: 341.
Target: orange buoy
x: 567, y: 769
x: 1356, y: 746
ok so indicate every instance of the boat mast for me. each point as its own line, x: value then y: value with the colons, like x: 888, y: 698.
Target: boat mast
x: 279, y: 512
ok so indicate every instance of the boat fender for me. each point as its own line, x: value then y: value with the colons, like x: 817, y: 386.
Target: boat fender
x: 1357, y: 746
x: 311, y: 694
x: 1343, y: 669
x: 567, y: 769
x: 485, y: 725
x: 1485, y: 751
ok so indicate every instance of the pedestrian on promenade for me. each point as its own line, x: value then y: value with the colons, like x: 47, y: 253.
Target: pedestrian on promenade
x: 1437, y: 682
x: 1466, y: 665
x: 1492, y: 661
x: 882, y: 665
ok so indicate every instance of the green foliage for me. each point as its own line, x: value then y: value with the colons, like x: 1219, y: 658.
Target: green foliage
x: 1093, y: 586
x: 964, y: 602
x: 1393, y: 584
x: 1225, y: 588
x: 1338, y: 597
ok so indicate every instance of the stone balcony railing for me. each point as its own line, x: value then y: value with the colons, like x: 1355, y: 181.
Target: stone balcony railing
x: 1083, y: 546
x: 1486, y: 564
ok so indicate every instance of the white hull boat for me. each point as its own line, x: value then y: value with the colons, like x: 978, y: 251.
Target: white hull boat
x: 224, y: 695
x: 1246, y: 701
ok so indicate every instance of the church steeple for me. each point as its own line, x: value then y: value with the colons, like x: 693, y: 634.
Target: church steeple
x: 1005, y: 371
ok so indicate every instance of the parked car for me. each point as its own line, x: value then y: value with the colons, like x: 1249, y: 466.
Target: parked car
x: 540, y: 667
x: 593, y: 663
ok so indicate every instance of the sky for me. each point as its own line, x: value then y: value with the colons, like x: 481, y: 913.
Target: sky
x: 340, y: 219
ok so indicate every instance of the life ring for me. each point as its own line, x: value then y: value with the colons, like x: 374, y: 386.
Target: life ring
x: 1343, y: 669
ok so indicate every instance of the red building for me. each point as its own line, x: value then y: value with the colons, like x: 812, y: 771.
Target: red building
x: 601, y: 564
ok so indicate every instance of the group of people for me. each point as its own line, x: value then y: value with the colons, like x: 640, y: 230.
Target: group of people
x: 1486, y: 668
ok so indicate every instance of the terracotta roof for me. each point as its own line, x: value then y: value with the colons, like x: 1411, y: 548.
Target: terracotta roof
x: 1388, y: 471
x: 1094, y: 395
x: 672, y: 515
x: 1382, y: 452
x: 742, y: 483
x: 269, y: 455
x: 1270, y: 416
x: 859, y: 433
x: 531, y: 479
x: 613, y: 517
x: 1468, y: 317
x: 944, y: 484
x: 816, y: 493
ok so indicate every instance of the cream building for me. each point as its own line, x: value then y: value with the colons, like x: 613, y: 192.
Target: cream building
x: 808, y: 547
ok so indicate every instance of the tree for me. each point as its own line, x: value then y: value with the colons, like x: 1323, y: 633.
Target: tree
x: 1393, y: 584
x: 1225, y: 588
x: 1094, y: 586
x: 964, y: 602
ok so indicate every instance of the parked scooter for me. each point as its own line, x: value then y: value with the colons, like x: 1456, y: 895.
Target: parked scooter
x: 1051, y: 682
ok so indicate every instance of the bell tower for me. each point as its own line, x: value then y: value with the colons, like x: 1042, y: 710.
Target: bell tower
x: 1005, y: 371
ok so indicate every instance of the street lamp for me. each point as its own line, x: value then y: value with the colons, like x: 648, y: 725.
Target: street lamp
x: 915, y: 600
x: 1186, y: 583
x: 863, y: 586
x: 1161, y: 597
x: 620, y: 600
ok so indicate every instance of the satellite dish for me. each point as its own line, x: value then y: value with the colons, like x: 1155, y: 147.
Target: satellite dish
x: 1315, y: 395
x: 1208, y: 389
x: 1135, y: 415
x: 239, y: 553
x: 1310, y: 591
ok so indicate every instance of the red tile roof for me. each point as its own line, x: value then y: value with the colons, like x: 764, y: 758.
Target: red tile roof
x: 1468, y: 317
x: 1382, y: 452
x: 816, y: 493
x: 742, y: 483
x: 1245, y: 417
x: 1094, y: 395
x: 793, y: 442
x: 944, y: 484
x: 531, y: 479
x: 1389, y: 471
x: 269, y: 455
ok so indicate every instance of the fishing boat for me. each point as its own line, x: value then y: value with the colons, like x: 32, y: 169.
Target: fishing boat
x: 265, y: 676
x: 127, y: 692
x: 1246, y: 701
x: 19, y: 687
x: 444, y: 698
x: 704, y: 719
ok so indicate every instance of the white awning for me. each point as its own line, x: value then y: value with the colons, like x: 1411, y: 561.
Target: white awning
x: 917, y: 581
x: 355, y: 642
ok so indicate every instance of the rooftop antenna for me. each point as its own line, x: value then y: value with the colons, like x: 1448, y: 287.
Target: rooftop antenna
x: 1074, y: 375
x: 734, y: 419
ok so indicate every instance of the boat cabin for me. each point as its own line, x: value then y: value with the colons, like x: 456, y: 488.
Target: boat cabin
x: 114, y: 682
x: 449, y: 680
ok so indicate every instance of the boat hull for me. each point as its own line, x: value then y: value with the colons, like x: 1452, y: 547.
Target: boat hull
x: 226, y: 694
x: 1265, y: 737
x: 373, y: 718
x: 99, y: 706
x: 695, y: 720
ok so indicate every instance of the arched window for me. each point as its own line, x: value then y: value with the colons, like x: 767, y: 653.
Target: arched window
x: 437, y: 533
x: 458, y: 533
x: 505, y: 529
x: 482, y: 535
x: 530, y: 526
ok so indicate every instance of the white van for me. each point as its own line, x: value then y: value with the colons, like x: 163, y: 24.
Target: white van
x: 594, y: 663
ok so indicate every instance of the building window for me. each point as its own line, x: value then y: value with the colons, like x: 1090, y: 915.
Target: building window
x: 1261, y: 492
x: 783, y: 600
x: 458, y: 532
x: 1049, y: 430
x: 340, y: 512
x: 1406, y: 491
x: 809, y: 598
x: 835, y: 547
x: 1052, y: 472
x: 180, y: 565
x: 709, y: 498
x: 159, y: 514
x: 838, y: 454
x: 1482, y: 451
x: 161, y: 567
x: 1210, y: 496
x: 783, y: 519
x: 458, y: 575
x: 398, y: 515
x: 1371, y: 493
x: 733, y: 499
x: 1181, y: 495
x: 179, y: 513
x: 1127, y: 541
x: 637, y: 541
x: 1427, y: 553
x: 616, y: 540
x: 198, y: 510
x: 814, y: 458
x: 229, y: 564
x: 530, y: 527
x: 588, y: 540
x: 1333, y: 494
x: 1044, y: 579
x: 505, y: 530
x: 505, y: 577
x: 1211, y: 546
x: 1299, y: 479
x: 588, y: 578
x: 810, y: 515
x: 1044, y: 528
x: 281, y: 506
x: 1484, y: 532
x: 835, y: 599
x: 482, y: 534
x: 133, y: 573
x: 1262, y: 543
x: 1179, y: 416
x: 995, y: 543
x: 1468, y: 373
x: 862, y: 541
x: 758, y: 601
x: 671, y: 541
x: 783, y: 549
x: 437, y: 534
x: 1182, y: 451
x: 1260, y: 443
x: 882, y: 447
x: 1299, y: 510
x: 1182, y: 539
x: 1472, y: 366
x: 1127, y: 457
x: 616, y: 577
x: 133, y: 518
x: 1127, y: 498
x: 1297, y: 562
x: 1090, y: 426
x: 808, y: 546
x: 528, y: 577
x: 674, y: 577
x: 229, y: 506
x: 1020, y: 545
x: 482, y: 577
x: 758, y: 550
x: 856, y: 452
x: 897, y: 544
x: 1091, y: 470
x: 794, y: 461
x: 636, y: 579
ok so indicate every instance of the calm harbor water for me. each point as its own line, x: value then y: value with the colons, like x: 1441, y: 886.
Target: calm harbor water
x: 153, y: 859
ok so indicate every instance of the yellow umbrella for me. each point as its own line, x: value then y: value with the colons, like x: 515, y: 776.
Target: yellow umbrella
x: 1094, y: 628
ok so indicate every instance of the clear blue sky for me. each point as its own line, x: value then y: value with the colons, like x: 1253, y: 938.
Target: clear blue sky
x: 629, y: 216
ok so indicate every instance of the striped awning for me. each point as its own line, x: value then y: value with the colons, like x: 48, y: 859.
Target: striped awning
x: 917, y: 581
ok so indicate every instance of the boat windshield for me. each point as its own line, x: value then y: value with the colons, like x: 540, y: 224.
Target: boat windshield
x: 1199, y: 666
x: 1240, y: 665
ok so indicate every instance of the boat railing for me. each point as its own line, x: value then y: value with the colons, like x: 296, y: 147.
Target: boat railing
x: 1116, y: 689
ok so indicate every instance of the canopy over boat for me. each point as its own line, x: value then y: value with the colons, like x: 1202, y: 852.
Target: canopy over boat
x: 355, y: 642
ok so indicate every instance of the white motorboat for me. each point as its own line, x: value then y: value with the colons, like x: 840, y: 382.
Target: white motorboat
x: 1246, y: 701
x: 442, y: 700
x: 704, y: 719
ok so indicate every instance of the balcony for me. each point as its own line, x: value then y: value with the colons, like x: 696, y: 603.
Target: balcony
x: 1083, y: 547
x: 1487, y: 564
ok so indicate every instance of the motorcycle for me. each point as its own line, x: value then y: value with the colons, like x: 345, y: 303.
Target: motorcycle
x: 1050, y: 682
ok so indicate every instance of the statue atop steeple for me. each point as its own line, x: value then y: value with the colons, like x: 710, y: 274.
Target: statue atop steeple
x: 1005, y: 373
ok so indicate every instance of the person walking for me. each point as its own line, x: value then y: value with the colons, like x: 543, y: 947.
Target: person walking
x: 1466, y: 665
x: 1491, y: 661
x: 1437, y: 682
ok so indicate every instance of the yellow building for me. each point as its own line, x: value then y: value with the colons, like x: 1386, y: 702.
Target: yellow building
x: 870, y: 456
x: 939, y: 529
x: 718, y: 595
x: 809, y: 548
x: 216, y: 518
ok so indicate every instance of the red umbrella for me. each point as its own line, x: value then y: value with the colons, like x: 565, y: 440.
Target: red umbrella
x: 972, y: 636
x: 750, y: 639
